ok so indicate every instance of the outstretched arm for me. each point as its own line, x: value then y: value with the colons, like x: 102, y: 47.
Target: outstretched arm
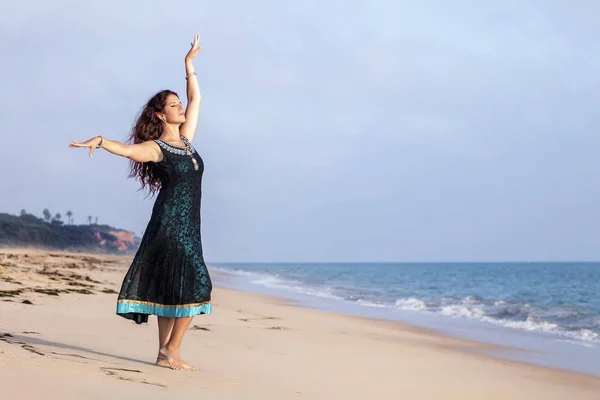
x: 188, y: 128
x: 142, y: 152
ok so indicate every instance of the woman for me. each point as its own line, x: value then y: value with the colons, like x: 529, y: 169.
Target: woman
x: 168, y: 277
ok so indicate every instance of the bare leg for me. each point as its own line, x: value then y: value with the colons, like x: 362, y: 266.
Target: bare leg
x: 171, y: 350
x: 165, y: 327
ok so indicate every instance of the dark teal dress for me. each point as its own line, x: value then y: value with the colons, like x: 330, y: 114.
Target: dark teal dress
x: 168, y: 276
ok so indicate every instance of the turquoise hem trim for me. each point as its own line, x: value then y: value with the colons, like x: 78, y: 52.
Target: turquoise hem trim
x: 170, y: 312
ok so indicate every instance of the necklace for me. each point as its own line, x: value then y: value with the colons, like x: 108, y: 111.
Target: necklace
x: 187, y: 150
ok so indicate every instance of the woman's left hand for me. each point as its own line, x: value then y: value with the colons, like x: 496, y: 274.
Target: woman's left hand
x: 196, y: 47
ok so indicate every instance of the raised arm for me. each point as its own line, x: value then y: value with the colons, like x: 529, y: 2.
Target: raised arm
x: 142, y: 152
x: 188, y: 128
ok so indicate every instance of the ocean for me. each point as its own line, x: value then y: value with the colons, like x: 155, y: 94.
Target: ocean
x: 550, y: 310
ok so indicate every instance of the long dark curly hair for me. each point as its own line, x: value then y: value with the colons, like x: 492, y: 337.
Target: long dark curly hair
x: 148, y: 127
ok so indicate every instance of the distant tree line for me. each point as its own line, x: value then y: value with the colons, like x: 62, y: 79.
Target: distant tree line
x: 57, y: 218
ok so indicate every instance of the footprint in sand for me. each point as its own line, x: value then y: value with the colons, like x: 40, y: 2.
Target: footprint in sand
x: 199, y: 328
x: 8, y: 338
x: 120, y: 373
x: 248, y: 319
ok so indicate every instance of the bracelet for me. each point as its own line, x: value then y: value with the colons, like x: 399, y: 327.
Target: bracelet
x: 100, y: 144
x: 188, y: 75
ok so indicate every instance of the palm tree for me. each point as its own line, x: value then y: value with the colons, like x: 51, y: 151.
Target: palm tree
x: 23, y: 212
x: 96, y: 223
x: 69, y: 215
x: 90, y: 219
x: 47, y: 215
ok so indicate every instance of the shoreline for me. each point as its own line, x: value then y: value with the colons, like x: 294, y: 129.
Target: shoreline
x: 475, y: 348
x: 252, y: 345
x: 509, y: 341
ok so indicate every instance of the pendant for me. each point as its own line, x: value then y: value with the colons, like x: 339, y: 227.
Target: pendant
x: 188, y: 151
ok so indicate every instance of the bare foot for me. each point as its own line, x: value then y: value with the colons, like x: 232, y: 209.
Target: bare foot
x: 171, y: 356
x: 162, y: 362
x: 188, y: 367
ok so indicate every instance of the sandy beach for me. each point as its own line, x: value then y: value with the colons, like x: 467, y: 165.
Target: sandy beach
x: 60, y: 338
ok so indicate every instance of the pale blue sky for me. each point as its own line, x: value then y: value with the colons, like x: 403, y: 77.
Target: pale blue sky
x: 335, y: 130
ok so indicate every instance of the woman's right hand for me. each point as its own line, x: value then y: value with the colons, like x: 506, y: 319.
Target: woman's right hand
x: 92, y: 144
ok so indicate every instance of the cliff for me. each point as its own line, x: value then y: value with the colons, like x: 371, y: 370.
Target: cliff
x: 29, y: 231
